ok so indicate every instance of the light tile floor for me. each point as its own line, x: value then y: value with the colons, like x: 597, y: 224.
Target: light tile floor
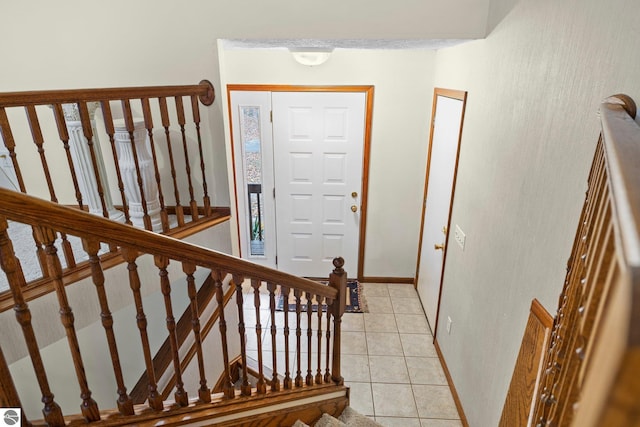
x: 388, y: 359
x: 406, y: 385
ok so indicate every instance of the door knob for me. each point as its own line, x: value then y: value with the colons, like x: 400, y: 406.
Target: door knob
x: 354, y: 208
x: 438, y: 246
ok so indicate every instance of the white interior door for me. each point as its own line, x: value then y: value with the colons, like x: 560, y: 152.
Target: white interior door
x: 318, y: 147
x: 446, y: 130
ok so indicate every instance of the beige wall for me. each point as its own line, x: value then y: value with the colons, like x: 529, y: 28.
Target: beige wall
x: 401, y: 112
x: 530, y: 131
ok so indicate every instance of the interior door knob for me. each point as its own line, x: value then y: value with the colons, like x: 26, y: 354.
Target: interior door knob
x: 354, y: 208
x: 438, y: 246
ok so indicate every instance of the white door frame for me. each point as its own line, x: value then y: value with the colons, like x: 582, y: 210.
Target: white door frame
x: 364, y: 190
x: 462, y: 96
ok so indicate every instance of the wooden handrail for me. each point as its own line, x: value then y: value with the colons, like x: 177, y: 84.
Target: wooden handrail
x: 204, y: 90
x: 34, y: 211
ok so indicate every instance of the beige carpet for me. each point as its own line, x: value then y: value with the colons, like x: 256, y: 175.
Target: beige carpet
x: 348, y: 418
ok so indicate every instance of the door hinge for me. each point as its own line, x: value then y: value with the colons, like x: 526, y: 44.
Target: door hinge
x: 271, y: 116
x: 276, y: 259
x: 274, y: 192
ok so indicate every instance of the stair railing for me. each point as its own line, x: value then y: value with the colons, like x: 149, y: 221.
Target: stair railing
x: 591, y: 356
x: 251, y: 282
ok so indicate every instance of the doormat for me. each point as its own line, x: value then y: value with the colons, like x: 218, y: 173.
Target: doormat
x: 354, y: 300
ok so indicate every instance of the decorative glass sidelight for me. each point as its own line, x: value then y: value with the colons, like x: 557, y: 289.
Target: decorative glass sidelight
x: 252, y: 159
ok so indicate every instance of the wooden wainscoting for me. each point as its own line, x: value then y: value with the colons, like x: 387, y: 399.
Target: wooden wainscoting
x: 524, y: 382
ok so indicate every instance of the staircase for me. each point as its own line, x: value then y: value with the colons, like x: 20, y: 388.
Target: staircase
x: 132, y: 285
x: 348, y: 418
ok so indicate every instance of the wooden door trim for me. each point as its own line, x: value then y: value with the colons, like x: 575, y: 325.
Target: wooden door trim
x: 462, y: 96
x: 366, y: 149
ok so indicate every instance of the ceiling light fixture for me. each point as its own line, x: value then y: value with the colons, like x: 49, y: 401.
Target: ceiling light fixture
x: 311, y: 56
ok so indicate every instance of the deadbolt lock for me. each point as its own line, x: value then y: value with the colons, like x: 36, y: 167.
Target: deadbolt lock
x: 354, y: 194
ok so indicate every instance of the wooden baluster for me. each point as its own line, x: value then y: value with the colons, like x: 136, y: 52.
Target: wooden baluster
x: 298, y: 294
x: 287, y: 363
x: 38, y: 139
x: 11, y: 266
x: 261, y: 385
x: 164, y: 114
x: 275, y: 382
x: 338, y: 281
x: 319, y: 371
x: 204, y: 394
x: 148, y: 123
x: 309, y: 377
x: 589, y: 306
x: 228, y: 385
x: 130, y: 256
x: 64, y: 137
x: 181, y: 121
x: 548, y: 397
x: 566, y: 360
x: 8, y: 394
x: 128, y: 120
x: 125, y: 404
x: 596, y: 249
x: 10, y: 144
x: 87, y: 129
x: 108, y: 124
x: 327, y: 373
x: 245, y: 388
x: 577, y: 278
x: 162, y: 263
x: 196, y: 119
x: 89, y: 406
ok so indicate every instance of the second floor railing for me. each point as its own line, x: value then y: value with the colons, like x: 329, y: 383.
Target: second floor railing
x: 137, y: 155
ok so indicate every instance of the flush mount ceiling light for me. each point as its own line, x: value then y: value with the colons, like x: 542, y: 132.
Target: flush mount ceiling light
x: 311, y: 56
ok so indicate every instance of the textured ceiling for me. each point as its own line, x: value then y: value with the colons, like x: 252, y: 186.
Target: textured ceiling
x: 301, y: 44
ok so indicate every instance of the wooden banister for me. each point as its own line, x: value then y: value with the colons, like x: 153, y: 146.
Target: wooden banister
x: 139, y: 177
x: 592, y: 359
x: 34, y: 211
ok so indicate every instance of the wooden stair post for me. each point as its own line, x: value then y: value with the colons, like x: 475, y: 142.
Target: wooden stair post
x: 338, y: 281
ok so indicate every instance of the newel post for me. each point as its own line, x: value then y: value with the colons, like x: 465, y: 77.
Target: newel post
x: 338, y: 281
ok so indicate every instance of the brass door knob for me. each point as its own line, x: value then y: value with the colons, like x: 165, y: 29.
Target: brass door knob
x: 438, y: 247
x: 354, y: 208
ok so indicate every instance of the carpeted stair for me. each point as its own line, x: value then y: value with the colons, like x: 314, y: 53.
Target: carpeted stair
x: 348, y: 418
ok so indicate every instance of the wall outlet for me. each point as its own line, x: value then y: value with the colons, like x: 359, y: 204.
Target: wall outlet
x: 449, y: 322
x: 460, y: 236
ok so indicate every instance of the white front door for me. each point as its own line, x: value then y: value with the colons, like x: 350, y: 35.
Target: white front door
x: 445, y: 137
x: 318, y: 147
